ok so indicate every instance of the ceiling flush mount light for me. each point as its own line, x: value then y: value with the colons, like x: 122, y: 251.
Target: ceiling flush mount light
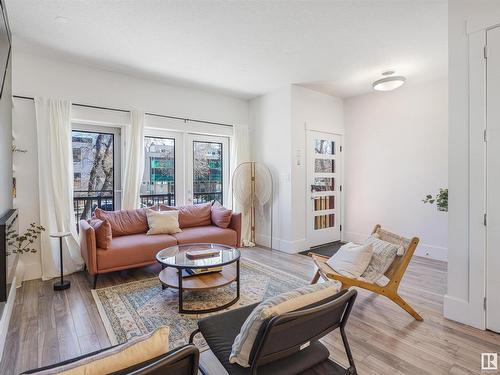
x: 61, y: 19
x: 388, y: 83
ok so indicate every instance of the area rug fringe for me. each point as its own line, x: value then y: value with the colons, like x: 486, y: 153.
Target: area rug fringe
x: 104, y: 317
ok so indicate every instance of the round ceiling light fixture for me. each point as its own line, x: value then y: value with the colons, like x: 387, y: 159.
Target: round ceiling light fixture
x: 389, y: 82
x: 61, y: 19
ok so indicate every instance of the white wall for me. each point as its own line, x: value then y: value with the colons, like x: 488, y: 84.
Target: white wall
x: 271, y: 137
x: 278, y: 130
x: 311, y: 110
x: 464, y: 299
x: 6, y: 144
x: 396, y: 152
x: 41, y: 76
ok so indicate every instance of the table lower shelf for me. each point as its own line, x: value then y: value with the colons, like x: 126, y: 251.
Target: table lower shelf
x: 170, y: 278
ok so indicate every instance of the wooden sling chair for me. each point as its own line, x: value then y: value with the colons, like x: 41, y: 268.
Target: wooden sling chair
x: 395, y: 272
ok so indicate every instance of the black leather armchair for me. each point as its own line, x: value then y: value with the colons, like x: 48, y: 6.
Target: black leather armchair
x: 287, y: 344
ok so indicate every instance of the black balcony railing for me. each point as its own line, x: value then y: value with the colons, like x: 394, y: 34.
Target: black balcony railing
x: 207, y: 197
x: 148, y: 200
x: 85, y: 202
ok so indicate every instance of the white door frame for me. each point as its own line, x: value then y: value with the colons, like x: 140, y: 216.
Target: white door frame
x: 492, y: 261
x: 339, y: 198
x: 469, y: 307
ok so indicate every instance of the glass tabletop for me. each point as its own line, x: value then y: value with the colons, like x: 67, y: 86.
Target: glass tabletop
x: 175, y: 256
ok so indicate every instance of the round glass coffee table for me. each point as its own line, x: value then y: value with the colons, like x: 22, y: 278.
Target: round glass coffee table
x: 179, y: 271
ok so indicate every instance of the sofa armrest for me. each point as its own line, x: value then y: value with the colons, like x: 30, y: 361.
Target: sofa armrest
x: 88, y: 246
x: 235, y: 224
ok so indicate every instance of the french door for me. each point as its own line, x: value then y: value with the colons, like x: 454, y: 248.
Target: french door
x: 207, y: 169
x: 324, y: 172
x: 493, y: 181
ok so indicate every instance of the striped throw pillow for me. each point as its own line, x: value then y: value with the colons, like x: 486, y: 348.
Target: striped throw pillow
x: 382, y: 257
x: 275, y: 306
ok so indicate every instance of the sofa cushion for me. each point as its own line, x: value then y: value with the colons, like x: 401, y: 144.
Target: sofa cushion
x: 103, y: 233
x: 195, y: 215
x: 133, y: 249
x: 162, y: 222
x: 221, y: 216
x: 136, y: 350
x: 125, y: 222
x: 207, y: 233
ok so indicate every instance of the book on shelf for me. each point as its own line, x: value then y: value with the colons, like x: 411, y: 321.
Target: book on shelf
x: 200, y: 271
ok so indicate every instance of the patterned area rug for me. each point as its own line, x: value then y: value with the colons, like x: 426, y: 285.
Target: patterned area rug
x: 139, y: 307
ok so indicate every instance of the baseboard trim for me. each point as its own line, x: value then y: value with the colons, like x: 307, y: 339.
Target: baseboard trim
x: 432, y: 252
x: 289, y: 247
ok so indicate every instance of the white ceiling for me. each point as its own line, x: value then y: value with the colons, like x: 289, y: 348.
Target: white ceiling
x: 244, y: 48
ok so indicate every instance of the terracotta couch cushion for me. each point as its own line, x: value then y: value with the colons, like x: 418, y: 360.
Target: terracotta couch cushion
x: 193, y: 215
x: 207, y: 233
x: 103, y: 233
x: 134, y: 249
x: 221, y: 216
x: 125, y: 222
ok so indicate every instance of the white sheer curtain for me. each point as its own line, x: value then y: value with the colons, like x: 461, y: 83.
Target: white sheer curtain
x: 240, y: 153
x: 134, y: 160
x: 55, y: 179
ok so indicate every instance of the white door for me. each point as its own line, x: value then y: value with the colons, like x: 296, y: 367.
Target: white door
x: 493, y: 181
x: 207, y: 169
x: 324, y: 187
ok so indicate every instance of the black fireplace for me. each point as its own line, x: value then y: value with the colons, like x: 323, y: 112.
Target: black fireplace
x: 9, y: 226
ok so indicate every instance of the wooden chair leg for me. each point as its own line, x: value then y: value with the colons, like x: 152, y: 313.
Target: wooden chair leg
x: 315, y: 277
x: 402, y: 303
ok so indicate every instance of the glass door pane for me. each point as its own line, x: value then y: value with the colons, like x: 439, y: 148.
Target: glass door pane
x: 158, y: 181
x: 208, y: 172
x: 93, y: 172
x: 324, y: 181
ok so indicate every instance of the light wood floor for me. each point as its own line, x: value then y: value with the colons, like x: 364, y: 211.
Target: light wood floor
x: 48, y: 327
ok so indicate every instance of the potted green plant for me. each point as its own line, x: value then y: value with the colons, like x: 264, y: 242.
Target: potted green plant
x: 441, y: 199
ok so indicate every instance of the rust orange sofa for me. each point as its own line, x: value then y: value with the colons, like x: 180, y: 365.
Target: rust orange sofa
x: 130, y: 247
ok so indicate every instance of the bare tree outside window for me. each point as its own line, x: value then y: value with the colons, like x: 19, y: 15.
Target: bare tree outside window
x: 207, y: 172
x: 93, y: 172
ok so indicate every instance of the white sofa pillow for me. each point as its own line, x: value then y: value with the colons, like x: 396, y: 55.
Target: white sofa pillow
x: 351, y: 260
x: 163, y: 222
x: 274, y: 306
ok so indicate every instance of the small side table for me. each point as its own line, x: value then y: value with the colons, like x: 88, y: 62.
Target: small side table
x: 61, y: 284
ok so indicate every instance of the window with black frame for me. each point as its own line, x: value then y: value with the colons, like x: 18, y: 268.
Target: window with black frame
x: 93, y: 172
x: 208, y: 174
x: 158, y: 182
